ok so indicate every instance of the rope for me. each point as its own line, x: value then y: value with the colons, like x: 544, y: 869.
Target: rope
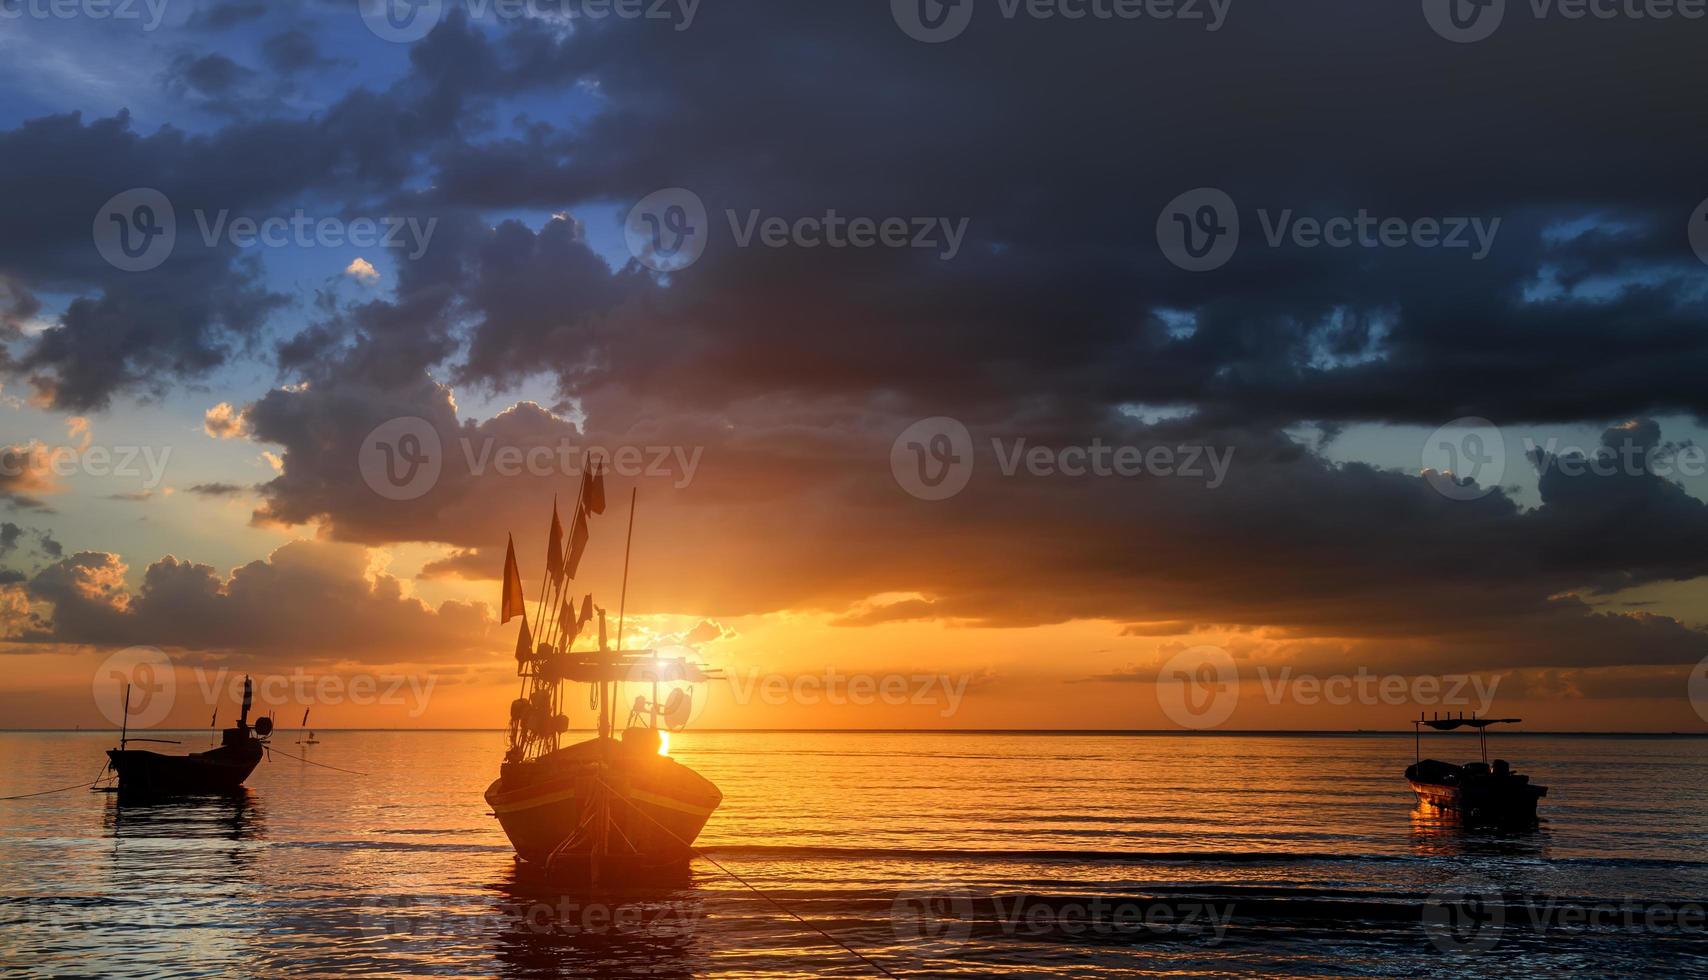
x: 862, y: 957
x: 62, y: 789
x: 274, y: 748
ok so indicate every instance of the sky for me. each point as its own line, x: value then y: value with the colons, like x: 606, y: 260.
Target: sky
x: 1214, y: 366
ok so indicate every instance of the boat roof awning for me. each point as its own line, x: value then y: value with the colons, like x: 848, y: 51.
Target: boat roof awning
x: 1448, y: 724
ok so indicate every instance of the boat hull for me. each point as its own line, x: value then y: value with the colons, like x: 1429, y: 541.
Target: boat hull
x: 218, y: 770
x: 1485, y: 799
x: 655, y: 806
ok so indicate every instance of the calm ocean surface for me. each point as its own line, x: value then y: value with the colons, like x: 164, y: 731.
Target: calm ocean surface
x: 976, y: 854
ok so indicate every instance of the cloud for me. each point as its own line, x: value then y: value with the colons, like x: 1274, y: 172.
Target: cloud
x: 894, y: 612
x: 466, y: 563
x: 223, y: 422
x: 218, y: 489
x: 25, y: 473
x: 293, y: 51
x: 362, y: 271
x: 306, y: 602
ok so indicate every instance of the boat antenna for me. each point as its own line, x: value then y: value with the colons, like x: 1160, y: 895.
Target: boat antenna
x: 628, y: 546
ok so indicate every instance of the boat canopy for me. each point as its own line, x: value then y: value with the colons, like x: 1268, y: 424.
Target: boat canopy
x: 1448, y: 724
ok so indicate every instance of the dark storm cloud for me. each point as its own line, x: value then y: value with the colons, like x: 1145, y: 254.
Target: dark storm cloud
x: 307, y: 601
x: 212, y: 75
x: 221, y: 16
x: 1050, y: 139
x: 292, y: 51
x: 218, y: 489
x: 139, y: 332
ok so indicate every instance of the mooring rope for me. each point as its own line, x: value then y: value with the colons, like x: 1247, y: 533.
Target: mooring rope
x: 62, y: 789
x: 273, y: 748
x: 862, y: 957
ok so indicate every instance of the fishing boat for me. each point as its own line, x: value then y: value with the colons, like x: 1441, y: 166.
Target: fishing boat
x: 611, y: 806
x: 218, y: 770
x: 1480, y: 792
x: 310, y: 740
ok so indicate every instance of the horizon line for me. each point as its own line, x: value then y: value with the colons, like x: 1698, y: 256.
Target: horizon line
x: 950, y: 731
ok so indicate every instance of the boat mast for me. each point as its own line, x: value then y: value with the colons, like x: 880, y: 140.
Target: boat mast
x: 623, y: 599
x: 124, y: 721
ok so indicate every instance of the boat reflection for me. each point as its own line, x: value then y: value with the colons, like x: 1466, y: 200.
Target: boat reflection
x: 1443, y: 833
x: 550, y: 930
x: 236, y: 815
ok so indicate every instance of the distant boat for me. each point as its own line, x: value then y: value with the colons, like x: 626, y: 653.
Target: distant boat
x: 220, y: 769
x: 1477, y: 791
x: 310, y: 740
x: 607, y: 806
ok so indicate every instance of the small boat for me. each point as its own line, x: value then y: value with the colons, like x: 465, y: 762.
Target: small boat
x: 607, y: 806
x: 1480, y: 792
x: 310, y: 740
x: 218, y: 770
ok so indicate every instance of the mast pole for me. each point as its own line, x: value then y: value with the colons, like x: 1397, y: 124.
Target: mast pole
x: 545, y: 578
x: 628, y: 546
x: 623, y: 597
x: 124, y: 720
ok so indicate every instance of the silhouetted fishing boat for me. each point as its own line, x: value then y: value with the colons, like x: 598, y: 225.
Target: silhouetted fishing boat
x: 606, y: 806
x: 221, y: 769
x: 1479, y: 792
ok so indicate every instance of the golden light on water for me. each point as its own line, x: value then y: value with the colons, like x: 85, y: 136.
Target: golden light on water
x: 663, y: 742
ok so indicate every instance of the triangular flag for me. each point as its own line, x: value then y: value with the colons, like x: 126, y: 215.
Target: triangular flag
x: 567, y: 622
x: 524, y: 642
x: 593, y: 488
x: 586, y: 611
x: 577, y: 542
x: 512, y: 604
x: 554, y: 547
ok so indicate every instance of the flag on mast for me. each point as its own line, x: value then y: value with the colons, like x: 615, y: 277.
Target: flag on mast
x: 577, y: 542
x: 586, y: 611
x: 524, y: 642
x: 593, y: 488
x: 554, y: 546
x: 567, y: 622
x: 512, y: 604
